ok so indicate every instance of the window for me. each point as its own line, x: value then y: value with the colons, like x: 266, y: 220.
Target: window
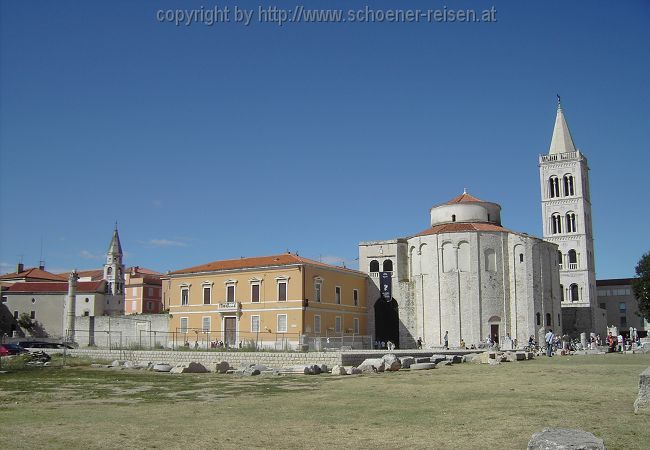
x: 622, y: 307
x: 282, y: 291
x: 355, y: 321
x: 568, y: 185
x: 185, y: 297
x: 490, y: 260
x: 463, y: 257
x: 110, y: 271
x: 537, y: 319
x: 388, y: 265
x: 521, y: 257
x: 559, y: 258
x: 255, y: 324
x: 337, y: 294
x: 556, y: 223
x: 561, y: 293
x: 230, y: 293
x: 453, y: 217
x: 16, y: 315
x: 149, y: 306
x: 150, y: 291
x: 135, y: 291
x: 86, y: 313
x: 574, y: 293
x: 282, y: 323
x: 355, y: 297
x: 548, y: 319
x: 206, y: 324
x: 337, y: 324
x: 571, y: 223
x: 318, y: 288
x: 87, y: 299
x: 573, y: 259
x: 316, y: 324
x: 553, y: 187
x: 374, y: 265
x: 255, y: 292
x: 207, y: 295
x: 4, y: 299
x: 603, y: 306
x: 183, y: 325
x: 32, y: 315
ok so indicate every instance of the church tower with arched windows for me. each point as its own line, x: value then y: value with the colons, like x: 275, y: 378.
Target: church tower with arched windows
x: 114, y: 272
x: 566, y: 215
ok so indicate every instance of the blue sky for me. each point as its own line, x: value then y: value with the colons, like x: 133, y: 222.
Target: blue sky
x: 214, y: 142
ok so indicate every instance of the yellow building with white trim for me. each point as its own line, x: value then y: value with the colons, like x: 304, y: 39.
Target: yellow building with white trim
x: 279, y: 301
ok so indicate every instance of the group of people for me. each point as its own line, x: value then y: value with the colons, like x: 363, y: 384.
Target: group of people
x: 384, y: 345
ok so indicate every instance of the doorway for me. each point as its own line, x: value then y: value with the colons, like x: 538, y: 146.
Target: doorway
x: 494, y: 332
x: 230, y: 331
x: 387, y: 321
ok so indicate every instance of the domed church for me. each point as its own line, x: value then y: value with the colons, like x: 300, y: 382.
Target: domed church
x: 465, y: 275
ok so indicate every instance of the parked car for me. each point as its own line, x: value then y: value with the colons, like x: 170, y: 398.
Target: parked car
x: 13, y: 349
x: 43, y: 344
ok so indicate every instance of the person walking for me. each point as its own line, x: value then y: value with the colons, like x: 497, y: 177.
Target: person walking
x: 549, y: 337
x: 446, y: 339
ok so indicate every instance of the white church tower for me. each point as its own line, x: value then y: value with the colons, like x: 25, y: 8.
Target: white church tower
x: 566, y: 215
x: 114, y: 269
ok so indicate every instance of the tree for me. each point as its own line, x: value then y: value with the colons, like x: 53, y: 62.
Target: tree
x: 641, y: 286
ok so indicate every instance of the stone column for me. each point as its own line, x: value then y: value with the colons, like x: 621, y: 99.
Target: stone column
x: 583, y: 340
x: 70, y: 305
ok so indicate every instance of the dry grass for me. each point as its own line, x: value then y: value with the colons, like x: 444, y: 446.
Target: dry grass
x: 462, y: 406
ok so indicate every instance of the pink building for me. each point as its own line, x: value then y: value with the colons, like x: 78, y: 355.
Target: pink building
x: 143, y: 291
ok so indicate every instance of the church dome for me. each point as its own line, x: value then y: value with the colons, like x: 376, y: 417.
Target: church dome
x: 466, y: 209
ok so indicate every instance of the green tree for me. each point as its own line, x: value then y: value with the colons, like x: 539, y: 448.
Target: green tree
x: 641, y: 286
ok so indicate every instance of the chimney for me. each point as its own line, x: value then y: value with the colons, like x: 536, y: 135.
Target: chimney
x: 20, y: 267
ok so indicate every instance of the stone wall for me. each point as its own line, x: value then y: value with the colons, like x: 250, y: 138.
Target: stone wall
x: 142, y: 330
x: 235, y: 359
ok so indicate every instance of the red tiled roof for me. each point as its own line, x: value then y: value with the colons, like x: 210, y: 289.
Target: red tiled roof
x: 258, y: 261
x: 463, y: 198
x: 34, y: 273
x: 83, y: 286
x: 460, y: 227
x: 93, y: 274
x: 143, y: 270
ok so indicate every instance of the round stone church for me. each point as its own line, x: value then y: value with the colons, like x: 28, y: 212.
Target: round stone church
x: 466, y: 275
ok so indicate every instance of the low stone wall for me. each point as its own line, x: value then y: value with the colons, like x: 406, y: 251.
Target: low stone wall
x: 354, y: 358
x: 235, y: 359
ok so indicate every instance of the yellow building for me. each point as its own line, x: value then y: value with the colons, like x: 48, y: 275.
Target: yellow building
x: 279, y: 301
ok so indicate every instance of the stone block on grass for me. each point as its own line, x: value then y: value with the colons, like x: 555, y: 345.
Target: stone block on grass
x: 565, y: 439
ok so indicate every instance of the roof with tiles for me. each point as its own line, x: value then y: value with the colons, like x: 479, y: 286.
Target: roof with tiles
x: 82, y: 286
x: 34, y: 273
x: 464, y: 198
x: 461, y: 227
x: 284, y: 259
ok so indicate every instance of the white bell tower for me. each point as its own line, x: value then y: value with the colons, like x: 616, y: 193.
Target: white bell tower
x: 114, y: 269
x: 566, y: 215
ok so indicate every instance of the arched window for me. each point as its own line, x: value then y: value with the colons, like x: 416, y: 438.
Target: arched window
x: 109, y: 271
x: 573, y: 259
x: 553, y: 187
x: 374, y: 265
x: 453, y: 217
x: 538, y: 320
x: 559, y: 258
x: 490, y: 260
x: 568, y: 185
x: 388, y: 265
x: 548, y: 319
x: 556, y: 223
x: 571, y: 223
x: 574, y: 293
x: 463, y: 257
x: 448, y: 257
x: 561, y: 293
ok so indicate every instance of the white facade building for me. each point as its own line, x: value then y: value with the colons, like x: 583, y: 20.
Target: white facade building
x: 566, y: 218
x: 465, y: 275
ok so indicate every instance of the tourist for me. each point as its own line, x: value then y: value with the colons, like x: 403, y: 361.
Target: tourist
x: 611, y: 343
x: 621, y: 342
x: 462, y: 343
x: 196, y: 345
x: 549, y: 338
x: 419, y: 343
x: 531, y: 342
x: 446, y: 339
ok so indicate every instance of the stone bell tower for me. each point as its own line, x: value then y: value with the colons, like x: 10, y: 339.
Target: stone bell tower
x: 566, y: 215
x: 114, y: 269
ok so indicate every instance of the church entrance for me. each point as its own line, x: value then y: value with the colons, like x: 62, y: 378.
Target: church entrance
x: 387, y: 321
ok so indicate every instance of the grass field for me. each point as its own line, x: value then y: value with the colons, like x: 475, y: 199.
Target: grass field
x: 461, y: 406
